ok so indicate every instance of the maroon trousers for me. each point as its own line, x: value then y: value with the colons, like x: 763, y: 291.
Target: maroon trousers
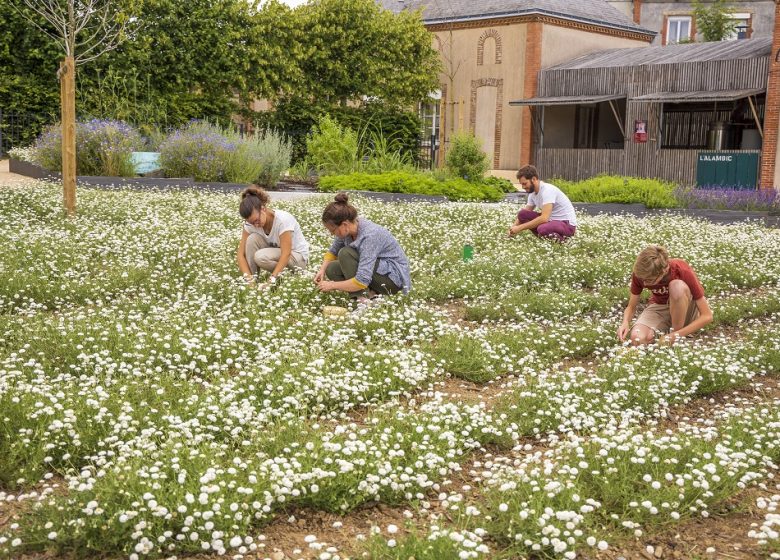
x: 555, y: 229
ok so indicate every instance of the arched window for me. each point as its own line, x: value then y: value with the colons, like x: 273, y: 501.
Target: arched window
x: 489, y: 34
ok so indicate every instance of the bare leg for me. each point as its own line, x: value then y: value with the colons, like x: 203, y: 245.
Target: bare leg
x: 642, y: 334
x: 679, y: 301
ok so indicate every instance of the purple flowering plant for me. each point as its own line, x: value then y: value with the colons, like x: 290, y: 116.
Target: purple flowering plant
x: 103, y: 147
x: 718, y: 198
x: 198, y: 150
x: 209, y: 153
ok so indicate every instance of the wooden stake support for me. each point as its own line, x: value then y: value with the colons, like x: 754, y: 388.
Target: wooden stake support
x: 67, y: 75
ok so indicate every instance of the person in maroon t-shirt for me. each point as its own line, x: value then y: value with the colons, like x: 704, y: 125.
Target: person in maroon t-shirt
x: 678, y: 300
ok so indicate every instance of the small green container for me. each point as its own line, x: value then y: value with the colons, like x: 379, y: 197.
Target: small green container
x: 468, y: 252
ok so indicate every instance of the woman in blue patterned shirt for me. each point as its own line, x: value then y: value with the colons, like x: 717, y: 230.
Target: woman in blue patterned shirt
x: 364, y: 258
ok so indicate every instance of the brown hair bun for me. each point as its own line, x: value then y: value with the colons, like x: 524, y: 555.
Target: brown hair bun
x: 252, y: 198
x: 339, y: 211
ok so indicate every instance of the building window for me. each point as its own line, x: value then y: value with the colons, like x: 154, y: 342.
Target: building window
x: 742, y: 29
x: 678, y: 29
x: 430, y: 115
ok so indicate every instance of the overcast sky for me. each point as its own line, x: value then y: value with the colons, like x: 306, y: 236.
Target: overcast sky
x: 294, y: 2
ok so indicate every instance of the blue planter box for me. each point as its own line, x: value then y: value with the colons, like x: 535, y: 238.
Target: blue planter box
x: 145, y: 162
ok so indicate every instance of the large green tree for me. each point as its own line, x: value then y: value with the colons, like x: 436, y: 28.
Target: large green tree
x: 28, y: 68
x: 194, y: 59
x: 354, y: 49
x: 209, y: 58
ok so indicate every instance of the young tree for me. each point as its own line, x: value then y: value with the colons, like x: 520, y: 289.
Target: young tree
x: 714, y: 22
x: 84, y: 30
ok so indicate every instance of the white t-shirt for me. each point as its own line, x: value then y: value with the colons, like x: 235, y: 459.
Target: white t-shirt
x: 562, y: 209
x: 283, y: 221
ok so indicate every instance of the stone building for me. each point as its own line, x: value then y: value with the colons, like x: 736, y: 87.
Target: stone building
x: 492, y: 53
x: 674, y: 21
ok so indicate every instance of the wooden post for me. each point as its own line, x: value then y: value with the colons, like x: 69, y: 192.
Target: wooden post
x: 67, y: 75
x: 460, y: 115
x: 443, y: 136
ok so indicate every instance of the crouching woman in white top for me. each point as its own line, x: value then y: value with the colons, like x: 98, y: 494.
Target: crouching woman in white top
x: 271, y: 240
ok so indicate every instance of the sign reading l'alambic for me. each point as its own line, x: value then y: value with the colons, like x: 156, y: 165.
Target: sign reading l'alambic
x: 716, y: 157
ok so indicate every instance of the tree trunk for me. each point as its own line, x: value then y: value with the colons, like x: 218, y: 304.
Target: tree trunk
x: 68, y: 103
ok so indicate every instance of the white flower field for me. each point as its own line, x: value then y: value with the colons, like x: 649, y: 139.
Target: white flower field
x: 155, y: 406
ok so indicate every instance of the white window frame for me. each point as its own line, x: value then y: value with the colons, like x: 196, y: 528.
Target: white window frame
x: 431, y: 116
x: 670, y: 40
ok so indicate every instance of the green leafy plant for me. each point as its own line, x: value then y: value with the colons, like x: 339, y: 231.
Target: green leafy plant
x: 411, y: 183
x: 653, y: 193
x: 505, y: 185
x: 332, y: 148
x: 466, y: 159
x: 714, y: 21
x: 382, y: 153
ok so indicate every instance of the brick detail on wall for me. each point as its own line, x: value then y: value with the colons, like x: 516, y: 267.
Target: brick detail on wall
x: 772, y: 111
x: 664, y: 28
x: 481, y: 46
x: 533, y: 64
x: 497, y: 83
x: 637, y: 11
x: 549, y: 20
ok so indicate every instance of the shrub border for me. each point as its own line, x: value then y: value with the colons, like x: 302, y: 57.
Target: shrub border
x: 36, y: 172
x: 718, y: 216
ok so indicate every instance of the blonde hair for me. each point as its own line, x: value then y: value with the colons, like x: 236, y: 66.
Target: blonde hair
x: 651, y: 262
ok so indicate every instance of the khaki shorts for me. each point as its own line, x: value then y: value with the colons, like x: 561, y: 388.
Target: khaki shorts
x: 657, y: 316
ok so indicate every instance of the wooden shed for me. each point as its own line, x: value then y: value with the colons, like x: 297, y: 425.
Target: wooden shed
x: 650, y: 111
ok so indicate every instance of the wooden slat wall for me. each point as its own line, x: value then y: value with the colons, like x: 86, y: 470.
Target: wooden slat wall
x: 641, y: 160
x: 576, y: 165
x: 673, y: 165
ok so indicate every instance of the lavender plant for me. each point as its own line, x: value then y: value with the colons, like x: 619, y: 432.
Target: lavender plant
x: 209, y: 153
x: 259, y: 158
x: 727, y: 199
x: 103, y: 147
x: 198, y: 150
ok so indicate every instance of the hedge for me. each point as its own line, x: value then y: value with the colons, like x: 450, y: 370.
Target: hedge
x: 412, y: 183
x: 653, y: 193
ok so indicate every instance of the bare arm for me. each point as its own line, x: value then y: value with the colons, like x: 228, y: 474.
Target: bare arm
x: 349, y: 285
x: 704, y: 318
x: 243, y: 265
x: 628, y: 314
x: 320, y: 276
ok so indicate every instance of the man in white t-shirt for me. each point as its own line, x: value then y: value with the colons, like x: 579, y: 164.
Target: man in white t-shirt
x: 556, y: 218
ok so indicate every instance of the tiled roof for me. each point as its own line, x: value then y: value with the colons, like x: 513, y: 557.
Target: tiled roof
x: 597, y: 12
